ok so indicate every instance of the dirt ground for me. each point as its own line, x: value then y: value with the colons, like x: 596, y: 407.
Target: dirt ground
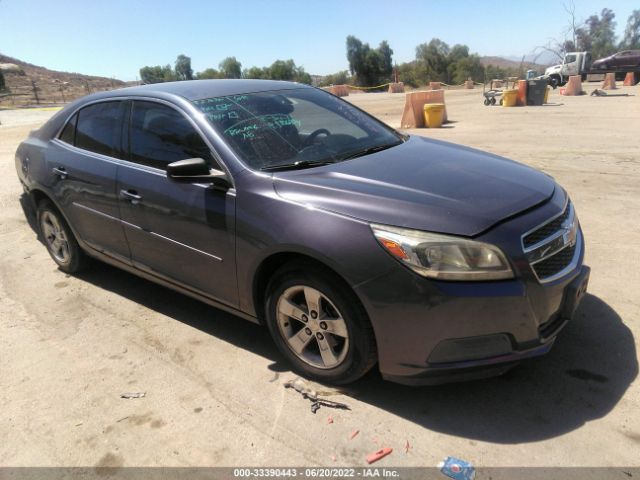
x: 70, y: 345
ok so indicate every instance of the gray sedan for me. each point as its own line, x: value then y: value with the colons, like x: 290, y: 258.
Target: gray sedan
x: 355, y: 244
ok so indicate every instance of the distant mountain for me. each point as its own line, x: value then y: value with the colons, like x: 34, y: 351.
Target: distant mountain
x: 507, y: 63
x: 53, y: 86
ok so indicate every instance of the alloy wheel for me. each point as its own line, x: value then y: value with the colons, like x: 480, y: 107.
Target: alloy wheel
x: 55, y: 237
x: 312, y: 327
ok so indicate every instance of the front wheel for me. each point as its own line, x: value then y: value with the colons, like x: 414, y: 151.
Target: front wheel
x: 59, y: 239
x: 319, y: 325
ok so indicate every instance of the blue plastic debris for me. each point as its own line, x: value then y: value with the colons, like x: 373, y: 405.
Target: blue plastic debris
x: 457, y: 469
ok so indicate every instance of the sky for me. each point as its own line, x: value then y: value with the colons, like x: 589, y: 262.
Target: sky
x: 115, y: 38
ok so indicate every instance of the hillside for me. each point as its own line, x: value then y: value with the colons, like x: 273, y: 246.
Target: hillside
x: 511, y: 64
x: 52, y: 86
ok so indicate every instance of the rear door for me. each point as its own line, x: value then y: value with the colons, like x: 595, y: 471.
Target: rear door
x: 83, y: 163
x: 184, y: 233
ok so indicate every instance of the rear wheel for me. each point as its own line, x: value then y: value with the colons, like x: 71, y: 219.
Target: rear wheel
x: 59, y: 239
x: 319, y: 325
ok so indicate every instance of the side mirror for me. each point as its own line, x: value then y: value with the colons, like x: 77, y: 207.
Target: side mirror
x: 196, y: 170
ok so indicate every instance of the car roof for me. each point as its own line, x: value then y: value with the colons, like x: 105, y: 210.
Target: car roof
x: 187, y: 89
x: 198, y: 89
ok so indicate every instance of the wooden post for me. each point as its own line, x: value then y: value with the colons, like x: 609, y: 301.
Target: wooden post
x: 35, y: 91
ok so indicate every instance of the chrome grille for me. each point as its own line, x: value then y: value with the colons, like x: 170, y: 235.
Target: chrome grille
x: 552, y: 248
x: 546, y: 230
x: 554, y: 264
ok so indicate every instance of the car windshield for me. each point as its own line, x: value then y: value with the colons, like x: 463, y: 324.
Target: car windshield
x: 296, y: 128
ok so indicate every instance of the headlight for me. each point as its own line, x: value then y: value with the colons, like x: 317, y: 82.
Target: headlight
x: 442, y: 256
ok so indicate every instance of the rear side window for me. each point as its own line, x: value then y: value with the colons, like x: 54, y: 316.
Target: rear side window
x: 161, y: 135
x: 68, y: 134
x: 99, y: 128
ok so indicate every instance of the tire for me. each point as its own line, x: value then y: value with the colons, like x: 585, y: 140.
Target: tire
x: 59, y: 239
x: 493, y: 100
x: 554, y: 82
x: 337, y: 345
x: 486, y: 102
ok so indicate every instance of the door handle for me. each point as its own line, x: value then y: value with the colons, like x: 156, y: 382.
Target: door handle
x: 131, y: 195
x: 60, y: 172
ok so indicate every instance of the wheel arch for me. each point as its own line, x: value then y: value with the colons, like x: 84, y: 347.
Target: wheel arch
x: 37, y: 195
x: 274, y: 262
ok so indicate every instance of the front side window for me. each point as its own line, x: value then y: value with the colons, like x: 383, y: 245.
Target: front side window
x: 570, y: 59
x: 99, y: 128
x: 283, y: 128
x: 161, y: 135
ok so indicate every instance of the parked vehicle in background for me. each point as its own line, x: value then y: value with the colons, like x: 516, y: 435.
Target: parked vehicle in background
x: 580, y: 63
x: 628, y: 61
x: 287, y: 206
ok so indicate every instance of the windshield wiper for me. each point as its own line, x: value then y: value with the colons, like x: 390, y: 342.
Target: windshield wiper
x: 297, y: 165
x: 368, y: 150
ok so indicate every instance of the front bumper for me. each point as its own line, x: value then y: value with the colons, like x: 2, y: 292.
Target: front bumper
x: 431, y: 332
x: 467, y: 331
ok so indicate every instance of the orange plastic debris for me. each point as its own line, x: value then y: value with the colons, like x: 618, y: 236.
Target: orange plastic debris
x: 374, y: 457
x: 354, y: 434
x: 330, y: 420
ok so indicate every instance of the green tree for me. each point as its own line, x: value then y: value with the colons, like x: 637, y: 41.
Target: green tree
x: 410, y: 73
x: 338, y: 78
x: 168, y: 74
x: 153, y: 74
x: 465, y: 68
x: 230, y: 68
x: 183, y: 69
x: 3, y: 85
x: 435, y: 59
x: 369, y: 66
x: 255, y: 73
x: 282, y: 70
x: 598, y: 34
x: 208, y: 74
x: 631, y: 39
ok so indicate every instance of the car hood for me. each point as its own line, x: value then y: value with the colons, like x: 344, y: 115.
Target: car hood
x: 421, y: 184
x: 553, y: 69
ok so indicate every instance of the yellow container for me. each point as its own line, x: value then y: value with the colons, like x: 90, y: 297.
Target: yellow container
x: 509, y: 98
x: 546, y: 94
x: 433, y: 115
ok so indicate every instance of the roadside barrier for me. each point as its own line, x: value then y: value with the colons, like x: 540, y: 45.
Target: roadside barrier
x: 340, y: 90
x: 413, y: 114
x: 609, y: 82
x: 573, y: 86
x: 629, y: 79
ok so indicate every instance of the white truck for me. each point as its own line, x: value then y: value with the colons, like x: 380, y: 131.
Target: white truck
x: 579, y: 63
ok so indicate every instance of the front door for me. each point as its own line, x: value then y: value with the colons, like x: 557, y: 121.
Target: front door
x: 184, y: 233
